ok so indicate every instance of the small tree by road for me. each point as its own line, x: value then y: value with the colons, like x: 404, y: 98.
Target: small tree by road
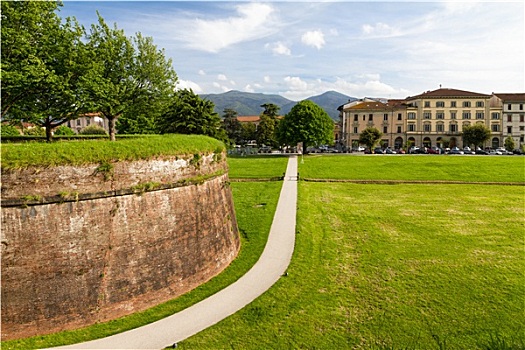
x: 475, y: 135
x: 369, y: 137
x: 509, y: 143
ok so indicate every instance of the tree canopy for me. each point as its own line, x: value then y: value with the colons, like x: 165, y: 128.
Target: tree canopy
x: 475, y: 135
x: 189, y: 114
x: 369, y: 137
x: 53, y: 71
x: 43, y: 62
x: 307, y: 123
x: 127, y: 76
x: 232, y: 126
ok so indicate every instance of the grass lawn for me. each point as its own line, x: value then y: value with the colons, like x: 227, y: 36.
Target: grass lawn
x: 255, y: 204
x: 22, y: 155
x: 393, y: 267
x: 406, y: 167
x: 263, y: 167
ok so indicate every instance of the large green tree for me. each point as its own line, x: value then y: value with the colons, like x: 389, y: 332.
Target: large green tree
x: 44, y: 61
x: 232, y: 126
x: 475, y: 135
x: 370, y: 137
x: 307, y: 123
x: 190, y: 114
x: 129, y: 76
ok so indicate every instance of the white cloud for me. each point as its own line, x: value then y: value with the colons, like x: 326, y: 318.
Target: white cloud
x: 313, y: 38
x: 253, y: 21
x: 279, y: 48
x: 248, y: 88
x: 380, y: 30
x: 222, y: 77
x: 267, y: 79
x: 188, y: 84
x: 202, y: 72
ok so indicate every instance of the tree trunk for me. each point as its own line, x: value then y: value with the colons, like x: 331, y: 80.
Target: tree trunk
x: 48, y: 127
x: 112, y: 131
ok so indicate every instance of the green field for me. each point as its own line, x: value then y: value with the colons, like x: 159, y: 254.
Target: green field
x: 259, y: 167
x: 436, y: 168
x: 409, y: 266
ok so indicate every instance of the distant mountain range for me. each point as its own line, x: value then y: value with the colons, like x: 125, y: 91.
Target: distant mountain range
x: 247, y: 103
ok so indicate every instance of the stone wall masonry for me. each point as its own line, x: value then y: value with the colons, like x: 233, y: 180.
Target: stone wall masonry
x: 105, y: 177
x: 68, y: 265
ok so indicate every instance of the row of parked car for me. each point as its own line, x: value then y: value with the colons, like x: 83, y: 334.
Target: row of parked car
x: 453, y: 150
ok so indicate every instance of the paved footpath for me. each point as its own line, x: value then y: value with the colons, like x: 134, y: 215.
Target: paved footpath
x: 269, y: 268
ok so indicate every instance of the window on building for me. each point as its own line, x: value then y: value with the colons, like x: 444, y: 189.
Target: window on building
x: 385, y: 129
x: 364, y: 117
x: 88, y: 121
x: 440, y: 128
x: 466, y: 115
x: 522, y: 118
x: 453, y: 104
x: 495, y: 115
x: 466, y: 104
x: 427, y: 127
x: 521, y: 106
x: 522, y: 128
x: 355, y: 117
x: 385, y: 117
x: 399, y: 129
x: 453, y: 128
x: 78, y: 122
x: 522, y: 138
x: 411, y: 127
x: 440, y: 104
x: 427, y: 115
x: 370, y: 117
x: 440, y: 115
x: 509, y: 118
x: 411, y: 115
x: 495, y: 127
x: 453, y: 115
x: 427, y: 103
x: 399, y: 116
x: 509, y: 130
x: 480, y: 115
x: 509, y: 107
x: 480, y: 104
x: 355, y: 130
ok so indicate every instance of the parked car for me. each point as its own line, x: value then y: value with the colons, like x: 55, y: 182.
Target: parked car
x: 455, y: 150
x: 467, y: 150
x: 517, y: 151
x: 358, y: 149
x: 494, y: 152
x: 378, y: 150
x: 503, y: 151
x: 480, y: 151
x: 388, y: 150
x: 434, y: 150
x: 265, y: 149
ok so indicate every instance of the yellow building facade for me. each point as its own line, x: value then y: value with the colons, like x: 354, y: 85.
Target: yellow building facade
x: 431, y: 119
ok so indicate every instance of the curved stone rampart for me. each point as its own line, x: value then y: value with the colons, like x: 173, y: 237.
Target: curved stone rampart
x: 156, y: 230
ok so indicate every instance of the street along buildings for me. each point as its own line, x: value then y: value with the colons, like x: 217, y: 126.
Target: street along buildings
x: 435, y: 118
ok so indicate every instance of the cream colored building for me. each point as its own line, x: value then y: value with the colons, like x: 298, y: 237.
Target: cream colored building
x: 512, y: 107
x: 433, y: 118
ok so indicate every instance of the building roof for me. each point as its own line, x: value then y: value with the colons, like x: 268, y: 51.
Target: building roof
x: 368, y: 106
x: 505, y: 97
x: 448, y: 93
x: 249, y: 118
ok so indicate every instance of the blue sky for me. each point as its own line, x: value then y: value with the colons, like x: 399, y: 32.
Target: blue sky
x: 301, y: 49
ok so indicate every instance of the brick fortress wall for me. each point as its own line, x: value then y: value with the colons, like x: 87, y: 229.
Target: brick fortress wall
x: 89, y: 244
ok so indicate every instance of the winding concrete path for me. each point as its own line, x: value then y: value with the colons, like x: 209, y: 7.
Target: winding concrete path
x: 269, y: 268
